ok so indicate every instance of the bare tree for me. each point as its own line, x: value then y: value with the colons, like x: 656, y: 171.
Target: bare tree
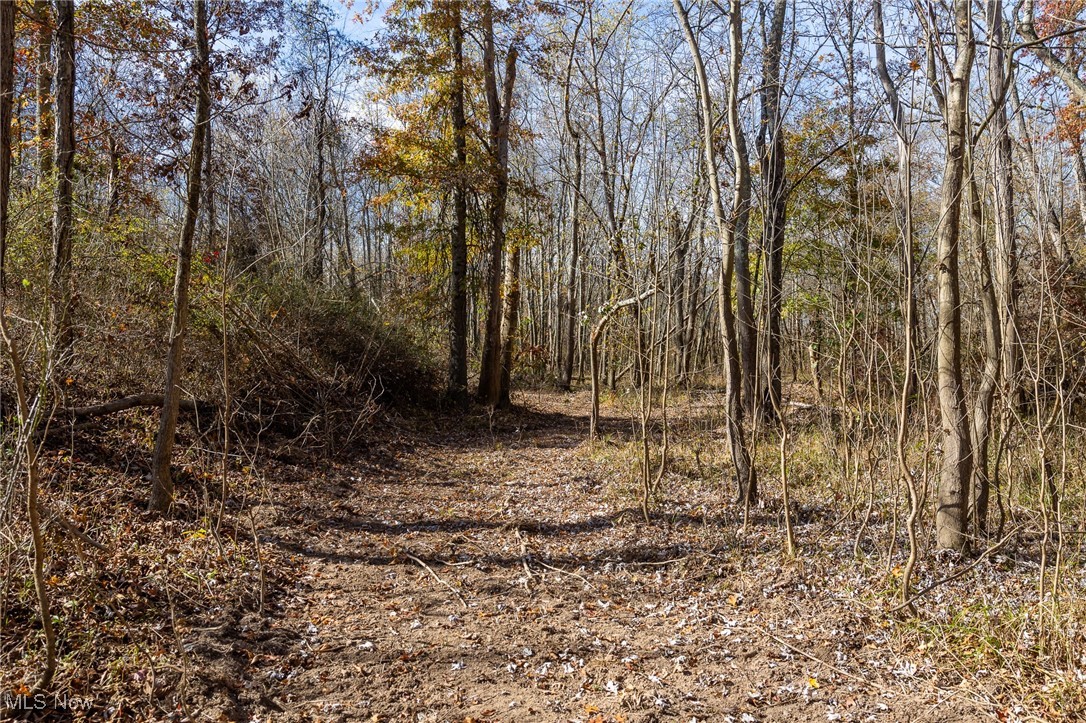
x: 60, y: 274
x: 458, y: 281
x: 771, y: 150
x: 162, y: 481
x: 748, y: 329
x: 500, y: 111
x: 44, y: 16
x: 1055, y: 65
x: 569, y: 293
x: 998, y: 301
x: 957, y: 466
x: 744, y: 470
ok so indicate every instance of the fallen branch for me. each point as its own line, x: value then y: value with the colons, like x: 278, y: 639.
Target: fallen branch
x: 133, y: 401
x: 71, y: 528
x: 433, y: 574
x: 648, y: 563
x: 956, y: 575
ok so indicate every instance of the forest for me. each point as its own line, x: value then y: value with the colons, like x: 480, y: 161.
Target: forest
x: 543, y: 360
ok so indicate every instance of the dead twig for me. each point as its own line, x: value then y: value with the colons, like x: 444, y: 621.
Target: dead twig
x: 434, y: 575
x: 71, y: 529
x: 566, y: 572
x: 815, y: 658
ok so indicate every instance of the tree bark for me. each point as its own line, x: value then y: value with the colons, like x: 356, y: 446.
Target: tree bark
x: 7, y: 97
x: 1006, y: 261
x: 315, y: 269
x: 748, y: 330
x: 772, y: 158
x: 985, y: 393
x: 570, y: 305
x: 510, y: 313
x: 137, y: 400
x: 43, y: 14
x: 679, y: 242
x: 162, y: 480
x: 60, y: 272
x: 953, y: 494
x: 569, y: 297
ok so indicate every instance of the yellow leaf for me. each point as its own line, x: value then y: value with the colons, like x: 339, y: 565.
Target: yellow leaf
x: 812, y: 682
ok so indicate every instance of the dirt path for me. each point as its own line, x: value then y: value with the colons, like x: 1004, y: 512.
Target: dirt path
x: 469, y: 572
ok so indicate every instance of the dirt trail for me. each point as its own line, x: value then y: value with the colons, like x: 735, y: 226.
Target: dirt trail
x: 494, y: 573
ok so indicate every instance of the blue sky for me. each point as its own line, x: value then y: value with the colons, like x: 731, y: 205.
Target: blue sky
x: 350, y: 10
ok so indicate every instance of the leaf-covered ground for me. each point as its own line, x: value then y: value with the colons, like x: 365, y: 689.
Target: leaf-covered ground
x: 496, y: 570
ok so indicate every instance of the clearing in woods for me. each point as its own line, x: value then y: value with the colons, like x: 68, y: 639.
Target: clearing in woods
x: 497, y: 570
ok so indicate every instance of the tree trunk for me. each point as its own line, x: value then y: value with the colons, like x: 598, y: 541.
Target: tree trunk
x: 569, y: 301
x: 29, y: 416
x: 347, y: 264
x: 458, y: 279
x: 746, y: 480
x: 679, y: 241
x: 7, y: 97
x: 748, y: 329
x: 115, y: 155
x: 953, y: 494
x: 315, y: 270
x: 490, y: 376
x: 1003, y: 286
x: 162, y: 480
x: 985, y: 392
x: 510, y: 310
x: 904, y: 210
x: 772, y: 156
x: 208, y: 190
x: 616, y: 195
x: 44, y: 16
x: 60, y: 273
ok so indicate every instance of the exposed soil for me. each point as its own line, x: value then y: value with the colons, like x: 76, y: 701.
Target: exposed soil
x: 497, y: 570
